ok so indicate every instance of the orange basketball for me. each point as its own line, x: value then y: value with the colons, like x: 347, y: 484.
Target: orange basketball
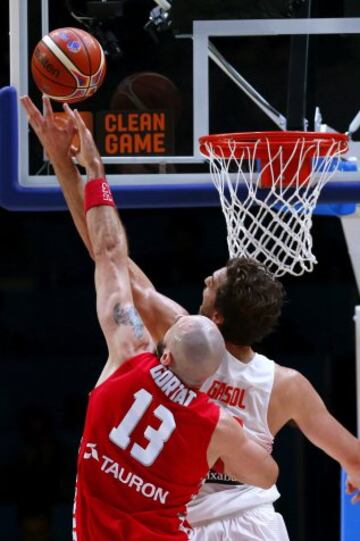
x: 68, y: 64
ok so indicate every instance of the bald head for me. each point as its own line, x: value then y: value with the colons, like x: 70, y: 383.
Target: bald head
x: 197, y: 348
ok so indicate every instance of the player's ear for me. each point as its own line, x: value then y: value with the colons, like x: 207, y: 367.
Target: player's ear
x: 166, y: 358
x: 217, y: 318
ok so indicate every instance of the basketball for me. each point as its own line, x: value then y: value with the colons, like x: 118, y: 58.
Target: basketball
x: 145, y: 91
x: 68, y: 65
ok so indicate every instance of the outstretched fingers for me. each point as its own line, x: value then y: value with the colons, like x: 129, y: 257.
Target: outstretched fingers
x: 75, y: 117
x: 48, y: 111
x: 84, y: 133
x: 35, y: 118
x: 69, y: 112
x: 80, y: 124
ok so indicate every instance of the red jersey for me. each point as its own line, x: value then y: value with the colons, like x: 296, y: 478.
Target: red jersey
x: 143, y: 455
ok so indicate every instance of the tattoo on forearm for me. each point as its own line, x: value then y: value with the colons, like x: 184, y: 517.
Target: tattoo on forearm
x: 129, y: 316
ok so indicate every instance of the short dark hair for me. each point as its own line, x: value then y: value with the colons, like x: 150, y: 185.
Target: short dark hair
x: 250, y: 301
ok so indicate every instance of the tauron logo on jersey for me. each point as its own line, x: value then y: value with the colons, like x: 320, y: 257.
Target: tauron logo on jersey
x: 91, y: 452
x: 149, y: 490
x: 115, y: 470
x: 233, y: 396
x: 74, y: 46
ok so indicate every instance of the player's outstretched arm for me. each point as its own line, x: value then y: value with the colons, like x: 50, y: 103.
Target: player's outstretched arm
x: 157, y: 311
x: 124, y: 331
x: 56, y: 136
x: 309, y: 412
x: 243, y: 459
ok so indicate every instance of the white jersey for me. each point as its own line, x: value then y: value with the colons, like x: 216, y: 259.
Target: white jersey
x: 242, y: 389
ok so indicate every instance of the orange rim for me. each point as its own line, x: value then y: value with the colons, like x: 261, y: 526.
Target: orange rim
x: 260, y: 142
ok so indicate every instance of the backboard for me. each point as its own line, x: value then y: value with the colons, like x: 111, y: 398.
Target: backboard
x: 222, y: 76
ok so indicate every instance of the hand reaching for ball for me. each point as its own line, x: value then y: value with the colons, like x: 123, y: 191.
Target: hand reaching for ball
x: 87, y: 153
x: 55, y: 134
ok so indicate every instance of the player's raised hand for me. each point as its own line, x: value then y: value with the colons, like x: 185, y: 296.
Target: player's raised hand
x: 55, y: 133
x: 87, y: 154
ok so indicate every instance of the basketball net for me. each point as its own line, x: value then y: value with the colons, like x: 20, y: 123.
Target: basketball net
x: 269, y: 184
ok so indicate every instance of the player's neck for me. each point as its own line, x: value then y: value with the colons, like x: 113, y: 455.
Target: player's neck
x: 244, y: 353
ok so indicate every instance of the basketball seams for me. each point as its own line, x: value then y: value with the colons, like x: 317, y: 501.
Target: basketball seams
x: 64, y: 85
x: 87, y: 54
x: 52, y: 80
x: 57, y: 51
x: 59, y: 60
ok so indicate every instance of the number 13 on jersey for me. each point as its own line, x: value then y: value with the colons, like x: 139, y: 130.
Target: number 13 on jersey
x: 121, y: 435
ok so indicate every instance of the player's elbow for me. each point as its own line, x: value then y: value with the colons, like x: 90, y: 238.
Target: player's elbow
x: 141, y: 294
x: 270, y: 474
x: 262, y: 473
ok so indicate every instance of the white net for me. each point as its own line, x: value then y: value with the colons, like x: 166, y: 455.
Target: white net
x: 272, y: 224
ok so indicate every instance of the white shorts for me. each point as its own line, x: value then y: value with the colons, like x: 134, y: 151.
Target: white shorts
x: 261, y: 523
